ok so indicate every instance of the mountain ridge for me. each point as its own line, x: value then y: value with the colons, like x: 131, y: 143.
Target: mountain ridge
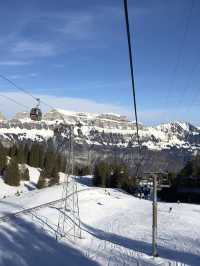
x: 99, y: 136
x: 115, y: 129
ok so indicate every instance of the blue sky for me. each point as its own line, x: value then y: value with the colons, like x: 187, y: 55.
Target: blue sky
x: 74, y: 55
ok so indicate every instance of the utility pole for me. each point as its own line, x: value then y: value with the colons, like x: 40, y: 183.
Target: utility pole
x: 154, y: 176
x: 154, y: 217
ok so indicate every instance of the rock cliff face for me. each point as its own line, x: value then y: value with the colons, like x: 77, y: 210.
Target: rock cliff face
x: 164, y: 147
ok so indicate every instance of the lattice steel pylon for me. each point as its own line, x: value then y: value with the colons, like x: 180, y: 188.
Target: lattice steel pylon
x: 69, y: 218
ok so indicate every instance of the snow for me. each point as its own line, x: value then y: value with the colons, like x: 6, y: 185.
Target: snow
x: 25, y: 186
x: 116, y: 230
x: 76, y: 114
x: 30, y: 134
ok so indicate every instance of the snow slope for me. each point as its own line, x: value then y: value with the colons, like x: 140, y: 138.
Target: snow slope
x: 25, y: 186
x: 116, y: 230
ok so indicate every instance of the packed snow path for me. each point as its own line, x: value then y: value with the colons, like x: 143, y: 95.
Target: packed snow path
x: 116, y: 230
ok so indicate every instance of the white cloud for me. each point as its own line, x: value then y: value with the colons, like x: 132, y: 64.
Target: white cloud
x: 147, y: 117
x: 75, y: 104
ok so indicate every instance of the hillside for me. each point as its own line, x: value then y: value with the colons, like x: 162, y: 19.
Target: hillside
x: 116, y: 230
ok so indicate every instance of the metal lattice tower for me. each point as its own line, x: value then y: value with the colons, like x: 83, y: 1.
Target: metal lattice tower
x: 69, y: 219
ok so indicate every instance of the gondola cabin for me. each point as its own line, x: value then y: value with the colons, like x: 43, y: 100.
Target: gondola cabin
x: 36, y: 114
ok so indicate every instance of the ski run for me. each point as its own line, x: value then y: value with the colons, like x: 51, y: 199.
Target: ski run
x: 116, y: 230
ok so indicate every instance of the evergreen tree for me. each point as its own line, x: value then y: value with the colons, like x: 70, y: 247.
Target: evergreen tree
x: 34, y: 155
x: 55, y: 178
x: 49, y: 162
x: 60, y: 163
x: 122, y: 176
x: 12, y: 177
x: 25, y: 173
x: 79, y: 170
x: 83, y: 171
x: 26, y: 152
x: 41, y: 156
x: 13, y: 150
x: 196, y: 166
x: 171, y: 177
x: 20, y: 154
x: 101, y: 174
x: 42, y: 180
x: 3, y: 159
x: 187, y: 170
x: 113, y: 175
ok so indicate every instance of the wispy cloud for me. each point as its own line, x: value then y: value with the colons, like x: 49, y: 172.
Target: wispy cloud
x: 14, y: 63
x: 34, y: 49
x: 77, y: 27
x: 60, y: 31
x: 26, y: 75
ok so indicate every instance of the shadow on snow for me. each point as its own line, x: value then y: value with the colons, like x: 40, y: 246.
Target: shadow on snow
x: 23, y: 244
x: 143, y: 247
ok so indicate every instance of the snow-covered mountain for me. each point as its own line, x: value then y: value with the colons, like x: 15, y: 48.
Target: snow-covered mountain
x: 106, y: 134
x: 103, y: 129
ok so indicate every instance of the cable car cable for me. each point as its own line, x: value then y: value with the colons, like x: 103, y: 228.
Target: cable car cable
x: 14, y: 101
x: 138, y: 163
x: 17, y: 87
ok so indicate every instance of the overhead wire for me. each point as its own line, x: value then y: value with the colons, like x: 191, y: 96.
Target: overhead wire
x: 17, y: 87
x: 24, y: 91
x: 14, y: 101
x: 131, y: 68
x: 130, y: 53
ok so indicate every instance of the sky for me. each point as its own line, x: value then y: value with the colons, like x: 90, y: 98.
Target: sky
x: 74, y: 55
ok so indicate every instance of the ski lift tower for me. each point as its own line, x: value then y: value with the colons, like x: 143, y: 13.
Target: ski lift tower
x: 69, y: 219
x: 154, y: 176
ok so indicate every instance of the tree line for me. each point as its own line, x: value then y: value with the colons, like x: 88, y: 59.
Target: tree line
x: 184, y: 185
x: 113, y: 175
x: 39, y: 155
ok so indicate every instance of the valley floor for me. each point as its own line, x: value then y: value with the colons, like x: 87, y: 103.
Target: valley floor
x: 116, y: 230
